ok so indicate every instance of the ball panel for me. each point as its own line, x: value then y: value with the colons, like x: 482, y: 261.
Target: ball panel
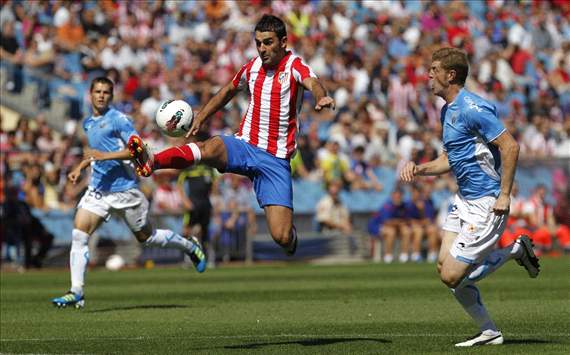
x: 174, y: 117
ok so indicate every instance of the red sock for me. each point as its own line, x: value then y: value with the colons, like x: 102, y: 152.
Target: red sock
x: 177, y: 157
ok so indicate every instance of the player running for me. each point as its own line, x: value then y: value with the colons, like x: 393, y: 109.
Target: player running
x: 482, y: 155
x: 113, y: 188
x: 262, y: 147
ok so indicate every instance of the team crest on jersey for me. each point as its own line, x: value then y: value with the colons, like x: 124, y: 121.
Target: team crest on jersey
x: 283, y: 77
x: 454, y: 117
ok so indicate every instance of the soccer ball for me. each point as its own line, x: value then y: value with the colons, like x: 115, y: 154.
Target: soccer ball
x: 115, y: 262
x: 174, y: 117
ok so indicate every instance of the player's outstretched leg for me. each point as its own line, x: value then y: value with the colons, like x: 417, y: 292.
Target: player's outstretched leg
x: 69, y: 299
x: 142, y: 156
x: 180, y: 157
x: 527, y: 257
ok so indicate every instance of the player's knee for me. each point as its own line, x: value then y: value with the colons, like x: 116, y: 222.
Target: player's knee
x: 281, y: 235
x: 449, y: 279
x: 210, y: 149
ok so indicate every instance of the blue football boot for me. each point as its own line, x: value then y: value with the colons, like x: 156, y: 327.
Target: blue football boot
x: 69, y: 299
x: 197, y: 255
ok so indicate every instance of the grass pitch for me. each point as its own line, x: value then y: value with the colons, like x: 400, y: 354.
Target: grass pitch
x: 289, y: 309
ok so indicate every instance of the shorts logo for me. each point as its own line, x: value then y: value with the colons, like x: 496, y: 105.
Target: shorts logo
x: 461, y: 245
x: 173, y: 122
x: 283, y: 76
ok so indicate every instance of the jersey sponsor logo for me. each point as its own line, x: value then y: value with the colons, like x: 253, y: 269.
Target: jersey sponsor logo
x: 102, y: 125
x: 472, y: 105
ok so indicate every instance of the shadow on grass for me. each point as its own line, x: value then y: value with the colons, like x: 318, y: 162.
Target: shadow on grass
x: 305, y: 342
x: 143, y: 306
x: 528, y: 341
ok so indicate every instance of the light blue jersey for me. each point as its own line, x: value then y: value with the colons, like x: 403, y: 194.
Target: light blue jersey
x: 110, y: 133
x: 469, y: 124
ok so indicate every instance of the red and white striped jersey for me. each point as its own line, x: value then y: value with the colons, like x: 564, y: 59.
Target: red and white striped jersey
x: 276, y: 95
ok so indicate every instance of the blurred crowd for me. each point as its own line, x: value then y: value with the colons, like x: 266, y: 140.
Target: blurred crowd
x: 371, y: 55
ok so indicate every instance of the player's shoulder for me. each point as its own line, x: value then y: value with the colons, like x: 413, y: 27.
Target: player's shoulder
x: 473, y: 103
x: 118, y: 116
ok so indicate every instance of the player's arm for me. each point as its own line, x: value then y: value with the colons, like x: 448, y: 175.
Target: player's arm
x: 509, y: 150
x: 438, y: 166
x: 94, y: 155
x: 319, y: 92
x: 219, y: 100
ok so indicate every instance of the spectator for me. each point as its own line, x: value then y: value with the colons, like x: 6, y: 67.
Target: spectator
x: 541, y: 219
x: 19, y: 225
x: 333, y: 164
x: 237, y: 219
x: 391, y: 222
x: 11, y: 52
x: 422, y: 215
x: 331, y: 214
x: 166, y: 198
x: 364, y: 176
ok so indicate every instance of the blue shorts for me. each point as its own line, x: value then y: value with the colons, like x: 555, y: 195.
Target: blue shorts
x: 271, y: 176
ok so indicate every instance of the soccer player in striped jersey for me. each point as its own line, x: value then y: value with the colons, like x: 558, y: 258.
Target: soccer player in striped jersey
x: 113, y: 188
x: 265, y: 142
x: 482, y: 155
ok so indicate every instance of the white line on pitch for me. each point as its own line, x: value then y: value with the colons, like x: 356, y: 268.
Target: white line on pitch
x: 363, y: 336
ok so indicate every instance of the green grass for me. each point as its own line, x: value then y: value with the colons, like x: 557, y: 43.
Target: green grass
x: 365, y: 308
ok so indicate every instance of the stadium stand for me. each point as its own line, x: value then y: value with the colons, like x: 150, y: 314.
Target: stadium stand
x: 371, y: 55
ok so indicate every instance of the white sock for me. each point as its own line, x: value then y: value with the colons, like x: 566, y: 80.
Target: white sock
x: 403, y: 258
x: 78, y: 259
x: 492, y: 263
x: 165, y: 238
x: 388, y: 258
x: 470, y: 298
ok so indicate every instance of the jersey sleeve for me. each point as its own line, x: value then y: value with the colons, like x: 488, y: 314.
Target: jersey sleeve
x: 483, y: 120
x: 240, y: 79
x: 301, y: 71
x: 124, y: 127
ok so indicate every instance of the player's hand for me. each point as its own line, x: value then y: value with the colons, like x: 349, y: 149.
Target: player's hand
x: 408, y: 172
x: 502, y: 205
x: 196, y: 124
x: 74, y: 175
x: 326, y: 101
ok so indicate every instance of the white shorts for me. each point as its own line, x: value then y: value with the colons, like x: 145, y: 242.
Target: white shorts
x: 131, y: 205
x: 478, y: 228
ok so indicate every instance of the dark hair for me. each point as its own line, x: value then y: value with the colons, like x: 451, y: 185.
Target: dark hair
x: 453, y: 59
x: 270, y: 23
x: 102, y: 80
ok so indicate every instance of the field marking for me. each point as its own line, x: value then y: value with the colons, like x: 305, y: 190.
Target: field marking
x: 363, y: 336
